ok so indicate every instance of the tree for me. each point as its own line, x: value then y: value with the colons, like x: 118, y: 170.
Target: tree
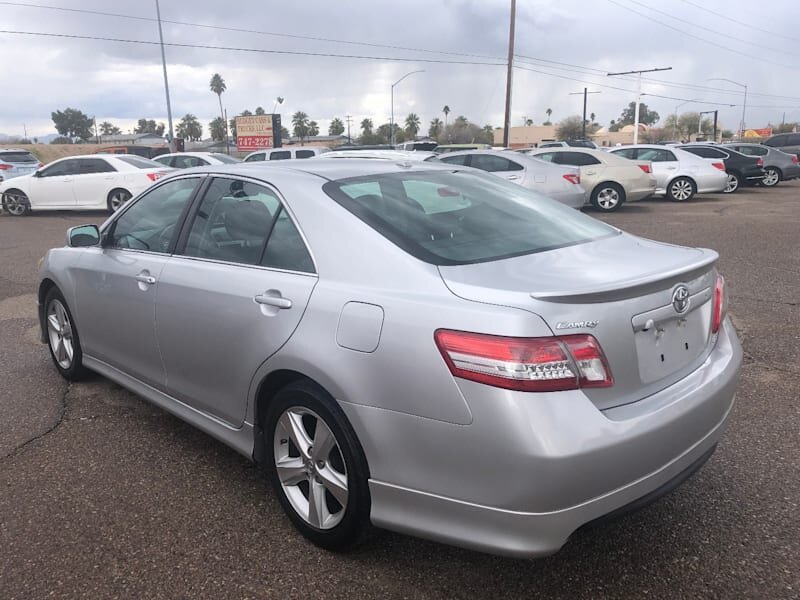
x: 446, y: 111
x: 548, y: 112
x: 300, y: 123
x: 383, y: 134
x: 785, y: 128
x: 313, y: 129
x: 216, y: 129
x: 260, y: 112
x: 366, y: 126
x: 571, y: 128
x: 646, y: 116
x: 149, y: 126
x: 217, y: 86
x: 613, y: 126
x: 189, y: 128
x: 61, y: 140
x: 686, y: 125
x: 336, y: 127
x: 528, y: 122
x: 72, y: 123
x: 284, y: 133
x: 107, y: 128
x: 413, y: 124
x: 656, y: 135
x: 435, y: 128
x: 592, y: 117
x: 488, y: 135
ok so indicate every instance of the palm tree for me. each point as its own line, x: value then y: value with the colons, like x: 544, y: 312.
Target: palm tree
x: 217, y: 86
x: 300, y: 123
x: 592, y: 117
x: 549, y: 112
x: 313, y: 129
x: 336, y: 127
x: 435, y: 128
x: 190, y: 128
x: 446, y: 111
x: 413, y: 123
x: 217, y: 129
x: 528, y: 122
x: 366, y: 126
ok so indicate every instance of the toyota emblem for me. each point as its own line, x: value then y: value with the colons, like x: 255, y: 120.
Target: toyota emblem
x: 680, y: 299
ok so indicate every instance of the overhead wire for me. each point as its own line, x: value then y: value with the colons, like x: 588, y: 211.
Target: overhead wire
x: 749, y: 25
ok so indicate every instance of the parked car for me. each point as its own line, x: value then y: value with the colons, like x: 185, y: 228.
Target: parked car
x: 96, y: 181
x: 609, y: 181
x: 679, y: 174
x: 417, y: 146
x: 186, y: 160
x: 428, y: 349
x: 285, y: 153
x: 15, y: 162
x: 442, y: 148
x: 568, y: 144
x: 778, y: 165
x: 788, y: 142
x: 398, y: 155
x: 558, y: 182
x: 741, y: 169
x: 143, y: 151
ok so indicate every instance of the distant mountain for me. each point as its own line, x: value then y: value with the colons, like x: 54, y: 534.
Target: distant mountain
x: 42, y: 139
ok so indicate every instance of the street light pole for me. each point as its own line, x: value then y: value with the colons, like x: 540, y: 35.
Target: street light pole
x: 166, y: 81
x: 638, y: 95
x: 744, y: 104
x: 675, y: 123
x: 391, y: 118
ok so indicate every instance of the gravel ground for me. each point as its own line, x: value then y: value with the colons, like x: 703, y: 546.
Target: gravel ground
x: 105, y: 496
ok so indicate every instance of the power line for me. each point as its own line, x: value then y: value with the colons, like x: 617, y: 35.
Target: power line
x: 732, y: 20
x: 697, y: 37
x: 252, y: 50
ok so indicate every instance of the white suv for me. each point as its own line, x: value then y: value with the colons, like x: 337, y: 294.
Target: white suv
x: 15, y: 162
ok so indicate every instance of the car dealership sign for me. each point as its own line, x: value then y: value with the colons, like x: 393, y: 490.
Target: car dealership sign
x: 258, y: 132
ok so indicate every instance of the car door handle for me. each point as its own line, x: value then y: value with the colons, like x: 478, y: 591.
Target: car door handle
x: 276, y: 301
x: 148, y: 279
x: 671, y: 168
x: 591, y: 172
x: 512, y: 177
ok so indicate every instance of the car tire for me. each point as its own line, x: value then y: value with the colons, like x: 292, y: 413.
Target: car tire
x: 333, y: 475
x: 117, y: 198
x: 62, y: 337
x: 734, y: 183
x: 681, y: 189
x: 608, y: 197
x: 16, y: 203
x: 772, y: 177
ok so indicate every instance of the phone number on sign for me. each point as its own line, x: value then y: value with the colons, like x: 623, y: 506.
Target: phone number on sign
x: 254, y: 142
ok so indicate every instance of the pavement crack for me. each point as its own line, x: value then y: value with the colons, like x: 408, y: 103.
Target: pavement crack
x: 61, y: 417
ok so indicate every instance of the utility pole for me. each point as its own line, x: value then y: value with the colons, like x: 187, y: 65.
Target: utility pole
x: 348, y: 117
x: 166, y: 81
x: 509, y: 74
x: 744, y: 104
x: 583, y: 123
x: 638, y: 95
x: 96, y: 137
x: 700, y: 122
x: 25, y: 127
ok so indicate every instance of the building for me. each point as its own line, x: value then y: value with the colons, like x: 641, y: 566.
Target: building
x: 134, y: 139
x: 528, y: 136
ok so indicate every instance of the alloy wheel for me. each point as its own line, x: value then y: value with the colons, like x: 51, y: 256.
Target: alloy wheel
x: 607, y: 198
x: 771, y: 178
x: 732, y: 185
x: 59, y: 334
x: 15, y: 203
x: 682, y: 190
x: 117, y: 199
x: 310, y: 467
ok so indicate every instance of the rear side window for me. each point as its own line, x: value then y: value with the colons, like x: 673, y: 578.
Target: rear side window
x: 626, y: 152
x: 255, y: 157
x: 280, y: 155
x: 139, y: 162
x: 576, y: 159
x: 777, y: 140
x: 304, y: 153
x: 452, y: 218
x: 87, y: 166
x: 492, y: 163
x: 655, y: 155
x: 794, y: 140
x: 706, y: 152
x: 18, y: 157
x: 459, y: 159
x: 751, y: 150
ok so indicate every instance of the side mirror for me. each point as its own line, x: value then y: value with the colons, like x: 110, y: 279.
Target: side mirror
x: 83, y: 236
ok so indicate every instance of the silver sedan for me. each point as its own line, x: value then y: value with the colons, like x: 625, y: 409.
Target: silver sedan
x: 418, y: 347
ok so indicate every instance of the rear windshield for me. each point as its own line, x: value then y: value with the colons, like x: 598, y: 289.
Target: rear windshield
x: 224, y: 158
x: 456, y: 218
x: 140, y: 163
x: 18, y: 157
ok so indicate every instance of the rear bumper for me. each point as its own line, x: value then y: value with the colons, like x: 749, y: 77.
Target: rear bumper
x: 538, y: 471
x: 791, y: 172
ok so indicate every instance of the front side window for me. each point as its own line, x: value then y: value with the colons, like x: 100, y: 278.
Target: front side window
x: 61, y: 168
x: 304, y: 154
x: 451, y: 218
x: 151, y: 222
x: 494, y: 164
x: 280, y: 155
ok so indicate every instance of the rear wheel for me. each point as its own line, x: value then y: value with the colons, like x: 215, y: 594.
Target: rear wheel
x: 317, y: 466
x: 772, y: 177
x: 734, y: 181
x: 681, y: 189
x: 116, y: 198
x: 16, y: 203
x: 608, y: 197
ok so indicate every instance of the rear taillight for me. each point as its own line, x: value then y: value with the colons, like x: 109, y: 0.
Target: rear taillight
x: 156, y: 176
x: 718, y: 165
x: 573, y: 178
x: 760, y: 162
x: 545, y: 364
x: 720, y: 307
x: 646, y: 168
x: 795, y: 160
x: 6, y: 167
x: 40, y: 165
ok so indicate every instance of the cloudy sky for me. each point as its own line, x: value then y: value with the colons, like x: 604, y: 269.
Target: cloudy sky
x: 562, y: 46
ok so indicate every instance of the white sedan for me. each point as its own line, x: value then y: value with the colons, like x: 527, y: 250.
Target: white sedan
x: 679, y: 174
x: 609, y: 180
x: 186, y: 160
x: 100, y: 181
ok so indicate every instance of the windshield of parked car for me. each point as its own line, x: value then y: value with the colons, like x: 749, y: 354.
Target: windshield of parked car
x: 454, y: 218
x: 224, y: 158
x: 140, y: 163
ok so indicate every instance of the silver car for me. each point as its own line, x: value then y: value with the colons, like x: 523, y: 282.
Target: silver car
x: 15, y: 163
x: 778, y: 165
x: 417, y: 347
x: 559, y: 182
x: 679, y: 174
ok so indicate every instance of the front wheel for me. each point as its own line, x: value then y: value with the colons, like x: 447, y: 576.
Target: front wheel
x: 733, y: 183
x: 317, y: 466
x: 16, y: 203
x: 772, y: 177
x: 62, y: 337
x: 117, y: 198
x: 608, y: 197
x: 681, y: 189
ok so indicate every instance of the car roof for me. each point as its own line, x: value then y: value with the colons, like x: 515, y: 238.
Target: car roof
x: 15, y: 150
x: 182, y: 154
x: 416, y: 155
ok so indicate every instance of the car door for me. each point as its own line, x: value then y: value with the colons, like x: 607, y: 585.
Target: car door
x: 232, y: 296
x: 665, y: 165
x: 499, y: 165
x: 116, y: 283
x: 92, y: 182
x: 52, y: 186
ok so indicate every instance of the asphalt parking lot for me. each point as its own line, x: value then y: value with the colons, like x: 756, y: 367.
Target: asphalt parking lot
x: 105, y: 496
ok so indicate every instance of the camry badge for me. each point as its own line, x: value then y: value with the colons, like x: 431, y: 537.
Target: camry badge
x: 680, y: 299
x: 576, y: 324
